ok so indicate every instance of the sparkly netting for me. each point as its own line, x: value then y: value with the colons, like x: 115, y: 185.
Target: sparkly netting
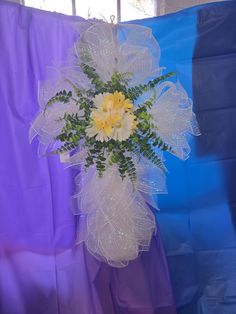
x: 119, y: 224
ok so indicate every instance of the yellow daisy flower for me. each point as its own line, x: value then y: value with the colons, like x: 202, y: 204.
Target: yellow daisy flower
x: 113, y: 117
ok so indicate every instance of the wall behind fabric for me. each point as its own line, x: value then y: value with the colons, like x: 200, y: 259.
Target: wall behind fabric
x: 126, y: 9
x: 17, y: 1
x: 169, y: 6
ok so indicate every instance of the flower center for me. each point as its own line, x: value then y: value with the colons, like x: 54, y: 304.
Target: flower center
x: 113, y: 117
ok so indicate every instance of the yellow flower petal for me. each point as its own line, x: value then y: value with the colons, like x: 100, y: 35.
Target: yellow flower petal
x: 113, y: 117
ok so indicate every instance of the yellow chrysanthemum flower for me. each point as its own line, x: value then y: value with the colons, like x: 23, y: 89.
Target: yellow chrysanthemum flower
x: 113, y: 117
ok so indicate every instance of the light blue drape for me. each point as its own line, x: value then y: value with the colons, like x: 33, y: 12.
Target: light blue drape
x: 197, y: 217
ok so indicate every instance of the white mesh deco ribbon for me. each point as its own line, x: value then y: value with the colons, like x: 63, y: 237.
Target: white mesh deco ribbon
x: 116, y: 221
x: 120, y: 48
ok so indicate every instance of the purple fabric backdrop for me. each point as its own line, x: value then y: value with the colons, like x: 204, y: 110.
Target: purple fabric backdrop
x: 41, y: 270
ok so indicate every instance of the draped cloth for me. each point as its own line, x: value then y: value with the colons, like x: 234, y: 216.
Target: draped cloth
x: 198, y: 216
x: 41, y: 270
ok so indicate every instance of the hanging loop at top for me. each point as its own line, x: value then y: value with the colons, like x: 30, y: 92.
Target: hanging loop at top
x: 112, y: 19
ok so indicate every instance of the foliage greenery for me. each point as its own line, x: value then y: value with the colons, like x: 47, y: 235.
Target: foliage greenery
x: 143, y: 142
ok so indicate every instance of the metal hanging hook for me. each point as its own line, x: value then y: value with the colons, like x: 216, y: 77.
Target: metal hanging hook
x: 112, y: 19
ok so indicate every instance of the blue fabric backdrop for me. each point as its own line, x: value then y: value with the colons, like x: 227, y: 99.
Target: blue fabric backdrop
x: 198, y: 216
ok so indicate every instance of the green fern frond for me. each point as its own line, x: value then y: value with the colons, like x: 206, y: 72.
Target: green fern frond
x: 135, y: 92
x: 62, y: 96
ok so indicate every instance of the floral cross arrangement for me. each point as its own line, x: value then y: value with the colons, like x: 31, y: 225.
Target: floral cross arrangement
x: 113, y: 116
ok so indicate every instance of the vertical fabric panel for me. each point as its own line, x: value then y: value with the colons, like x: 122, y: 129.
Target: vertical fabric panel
x: 42, y: 271
x: 197, y: 217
